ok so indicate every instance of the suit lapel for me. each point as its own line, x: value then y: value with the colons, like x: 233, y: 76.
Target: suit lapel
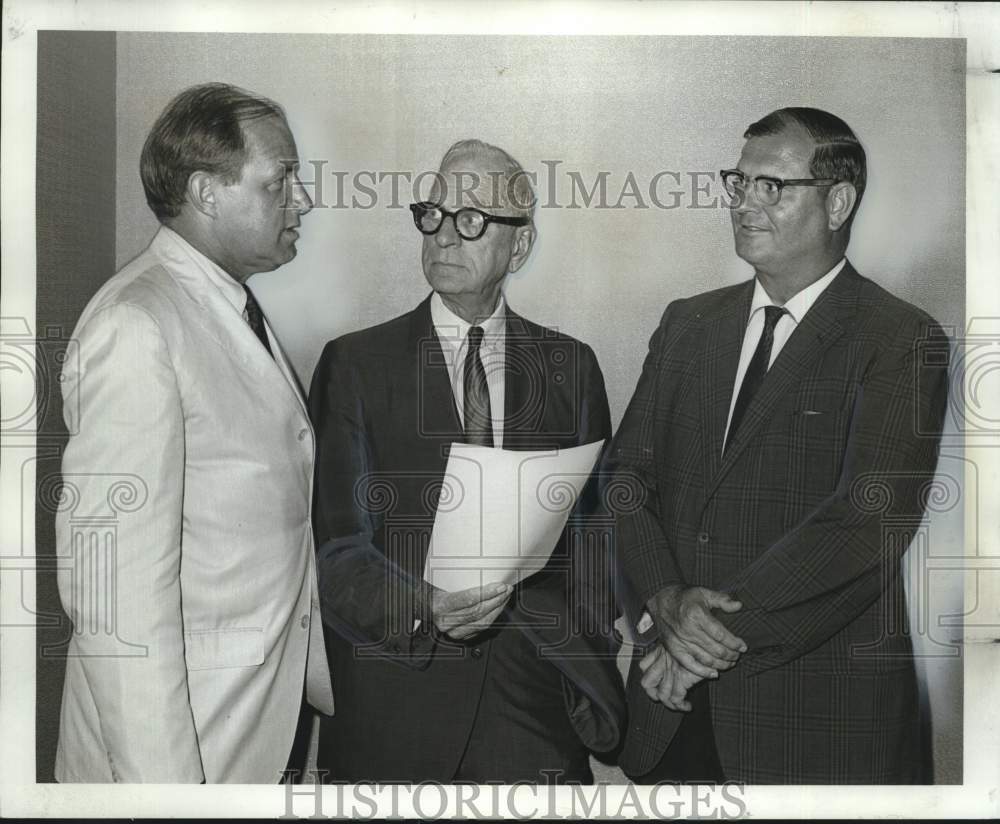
x: 220, y: 320
x: 722, y: 343
x: 436, y: 404
x: 524, y: 393
x: 242, y: 343
x: 289, y: 374
x: 823, y: 324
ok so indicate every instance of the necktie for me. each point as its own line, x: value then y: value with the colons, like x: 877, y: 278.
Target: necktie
x: 255, y: 317
x: 756, y: 370
x: 478, y: 418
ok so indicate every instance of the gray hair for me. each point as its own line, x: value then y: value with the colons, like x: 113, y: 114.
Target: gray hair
x: 514, y: 191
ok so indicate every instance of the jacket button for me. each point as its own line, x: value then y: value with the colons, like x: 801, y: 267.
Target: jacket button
x: 703, y: 538
x: 304, y: 621
x: 303, y: 434
x: 477, y: 652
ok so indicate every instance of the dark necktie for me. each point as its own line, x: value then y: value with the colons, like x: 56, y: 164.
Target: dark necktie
x: 478, y: 418
x: 255, y: 317
x: 756, y: 370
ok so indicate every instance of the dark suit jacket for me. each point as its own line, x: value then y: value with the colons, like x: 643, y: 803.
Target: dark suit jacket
x: 805, y: 519
x: 382, y: 406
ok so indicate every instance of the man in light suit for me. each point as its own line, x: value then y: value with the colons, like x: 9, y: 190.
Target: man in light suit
x: 196, y: 628
x: 781, y: 441
x: 477, y: 685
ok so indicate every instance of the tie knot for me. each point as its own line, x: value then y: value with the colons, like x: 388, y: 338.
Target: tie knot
x: 772, y: 314
x: 475, y: 337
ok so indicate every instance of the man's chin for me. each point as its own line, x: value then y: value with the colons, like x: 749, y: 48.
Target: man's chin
x: 750, y: 252
x: 277, y: 261
x: 443, y: 276
x: 285, y: 253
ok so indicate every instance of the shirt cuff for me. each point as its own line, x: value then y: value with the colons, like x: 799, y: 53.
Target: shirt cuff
x: 645, y: 622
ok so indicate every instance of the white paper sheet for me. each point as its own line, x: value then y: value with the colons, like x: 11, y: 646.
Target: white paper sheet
x: 501, y: 512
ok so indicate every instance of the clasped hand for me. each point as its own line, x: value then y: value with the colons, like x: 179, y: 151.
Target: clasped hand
x: 693, y: 643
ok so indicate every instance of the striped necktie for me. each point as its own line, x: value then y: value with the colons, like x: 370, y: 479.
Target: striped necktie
x: 478, y: 416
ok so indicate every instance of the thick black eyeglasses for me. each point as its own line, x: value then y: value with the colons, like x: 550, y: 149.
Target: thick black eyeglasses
x: 767, y: 189
x: 469, y: 223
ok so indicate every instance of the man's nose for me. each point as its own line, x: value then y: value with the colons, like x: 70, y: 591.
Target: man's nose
x: 447, y: 234
x: 745, y: 200
x: 301, y: 201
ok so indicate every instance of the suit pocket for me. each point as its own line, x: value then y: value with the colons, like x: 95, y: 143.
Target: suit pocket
x: 803, y: 452
x: 809, y: 430
x: 221, y: 648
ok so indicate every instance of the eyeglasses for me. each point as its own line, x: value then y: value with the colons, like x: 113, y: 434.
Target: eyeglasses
x: 469, y: 223
x: 767, y: 189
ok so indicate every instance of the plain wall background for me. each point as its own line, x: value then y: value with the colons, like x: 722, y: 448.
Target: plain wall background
x: 645, y: 105
x: 640, y: 104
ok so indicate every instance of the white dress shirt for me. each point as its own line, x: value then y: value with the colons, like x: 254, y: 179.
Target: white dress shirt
x: 795, y: 309
x: 453, y: 332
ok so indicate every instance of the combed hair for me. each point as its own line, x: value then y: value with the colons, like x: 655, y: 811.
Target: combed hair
x: 200, y: 130
x: 516, y: 192
x: 838, y: 153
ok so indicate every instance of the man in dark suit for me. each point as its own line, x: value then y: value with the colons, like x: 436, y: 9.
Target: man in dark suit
x: 781, y: 441
x: 491, y: 684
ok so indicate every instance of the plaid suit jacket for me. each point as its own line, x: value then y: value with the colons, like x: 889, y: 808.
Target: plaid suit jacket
x: 805, y: 520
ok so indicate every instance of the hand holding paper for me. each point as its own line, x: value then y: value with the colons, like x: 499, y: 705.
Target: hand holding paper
x: 464, y: 614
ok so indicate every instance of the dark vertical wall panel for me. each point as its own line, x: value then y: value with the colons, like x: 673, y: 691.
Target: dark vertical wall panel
x: 75, y: 254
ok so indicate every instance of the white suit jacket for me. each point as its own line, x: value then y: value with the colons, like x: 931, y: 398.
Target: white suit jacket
x: 187, y: 562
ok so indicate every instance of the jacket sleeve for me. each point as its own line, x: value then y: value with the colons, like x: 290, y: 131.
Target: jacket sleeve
x: 835, y: 563
x: 570, y: 616
x: 123, y: 471
x: 644, y: 553
x: 365, y: 598
x: 594, y: 573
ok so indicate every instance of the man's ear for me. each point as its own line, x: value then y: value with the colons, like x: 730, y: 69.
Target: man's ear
x: 840, y: 202
x: 201, y: 193
x: 524, y: 239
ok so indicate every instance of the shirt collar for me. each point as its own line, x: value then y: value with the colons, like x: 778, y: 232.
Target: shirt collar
x: 801, y: 301
x: 231, y: 288
x: 453, y: 330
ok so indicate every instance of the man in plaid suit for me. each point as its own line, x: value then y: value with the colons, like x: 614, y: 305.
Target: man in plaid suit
x: 779, y: 446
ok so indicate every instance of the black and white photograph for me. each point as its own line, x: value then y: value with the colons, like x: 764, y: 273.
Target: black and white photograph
x: 570, y: 409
